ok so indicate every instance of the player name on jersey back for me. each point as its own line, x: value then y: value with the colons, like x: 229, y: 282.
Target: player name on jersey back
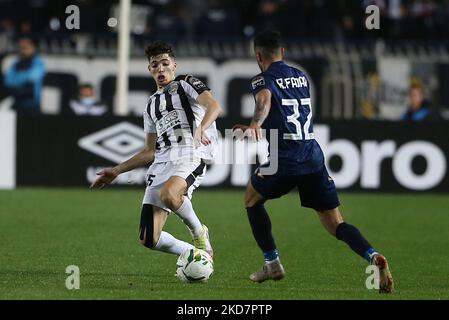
x: 287, y: 83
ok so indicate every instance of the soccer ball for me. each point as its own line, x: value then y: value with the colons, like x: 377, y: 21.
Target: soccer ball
x: 194, y: 265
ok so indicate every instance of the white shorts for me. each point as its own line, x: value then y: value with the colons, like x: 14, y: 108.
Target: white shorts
x: 191, y: 170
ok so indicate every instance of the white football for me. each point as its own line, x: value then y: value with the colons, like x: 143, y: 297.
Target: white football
x: 194, y: 265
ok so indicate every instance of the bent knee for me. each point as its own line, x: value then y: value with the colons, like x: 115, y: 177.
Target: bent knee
x: 251, y: 201
x: 252, y: 197
x: 171, y: 199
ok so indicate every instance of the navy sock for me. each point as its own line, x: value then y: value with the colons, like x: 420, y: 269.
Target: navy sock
x: 261, y: 226
x: 352, y: 236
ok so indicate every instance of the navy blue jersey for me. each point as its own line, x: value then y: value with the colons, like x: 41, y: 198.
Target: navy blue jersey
x: 291, y: 115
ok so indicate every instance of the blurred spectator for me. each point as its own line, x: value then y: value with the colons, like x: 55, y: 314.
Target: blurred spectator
x: 93, y: 15
x: 320, y: 17
x: 24, y: 78
x: 350, y: 18
x: 219, y: 20
x: 419, y: 109
x: 395, y: 13
x: 170, y: 21
x: 7, y: 26
x: 421, y: 20
x: 86, y: 104
x: 268, y: 15
x: 25, y: 27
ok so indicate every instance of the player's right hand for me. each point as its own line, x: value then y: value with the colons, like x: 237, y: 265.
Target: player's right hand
x: 105, y: 176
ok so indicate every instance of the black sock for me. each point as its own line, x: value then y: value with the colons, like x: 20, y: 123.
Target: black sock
x: 352, y: 236
x: 261, y: 225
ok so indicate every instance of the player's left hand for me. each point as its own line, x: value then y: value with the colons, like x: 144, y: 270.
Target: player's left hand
x: 255, y: 131
x: 201, y: 138
x: 252, y: 131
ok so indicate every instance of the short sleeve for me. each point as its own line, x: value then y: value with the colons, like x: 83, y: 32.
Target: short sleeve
x: 193, y: 86
x: 258, y: 83
x: 148, y: 124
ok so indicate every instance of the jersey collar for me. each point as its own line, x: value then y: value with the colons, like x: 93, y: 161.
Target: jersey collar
x: 276, y: 63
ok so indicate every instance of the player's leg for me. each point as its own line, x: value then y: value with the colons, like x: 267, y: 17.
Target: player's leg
x: 154, y: 213
x: 318, y: 191
x: 152, y: 221
x: 259, y: 189
x: 260, y: 222
x: 332, y: 221
x: 175, y: 194
x: 172, y: 195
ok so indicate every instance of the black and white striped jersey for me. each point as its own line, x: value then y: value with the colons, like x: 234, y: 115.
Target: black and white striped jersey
x: 174, y: 114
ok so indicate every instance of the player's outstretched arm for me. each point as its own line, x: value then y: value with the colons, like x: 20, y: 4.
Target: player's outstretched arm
x: 213, y: 110
x: 143, y: 157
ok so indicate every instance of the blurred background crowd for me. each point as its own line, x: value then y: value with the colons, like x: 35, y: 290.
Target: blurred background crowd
x: 413, y: 19
x: 397, y: 72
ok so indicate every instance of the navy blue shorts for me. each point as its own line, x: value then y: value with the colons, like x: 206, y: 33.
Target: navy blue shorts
x: 316, y: 190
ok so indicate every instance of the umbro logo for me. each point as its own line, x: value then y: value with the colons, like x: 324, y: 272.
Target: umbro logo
x: 116, y: 143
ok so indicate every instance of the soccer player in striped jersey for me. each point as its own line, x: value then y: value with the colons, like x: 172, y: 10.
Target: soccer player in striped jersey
x: 283, y: 102
x: 179, y: 122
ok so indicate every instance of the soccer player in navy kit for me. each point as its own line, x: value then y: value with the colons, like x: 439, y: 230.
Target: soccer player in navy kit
x: 283, y: 102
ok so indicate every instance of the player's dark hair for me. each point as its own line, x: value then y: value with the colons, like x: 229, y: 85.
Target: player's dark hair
x: 158, y: 47
x: 269, y: 41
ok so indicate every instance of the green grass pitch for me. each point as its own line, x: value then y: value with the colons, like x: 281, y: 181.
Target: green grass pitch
x: 42, y: 231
